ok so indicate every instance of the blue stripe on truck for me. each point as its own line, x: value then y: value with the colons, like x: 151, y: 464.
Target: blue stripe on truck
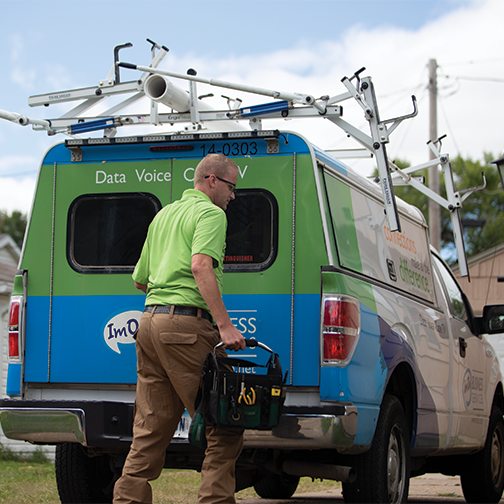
x: 92, y: 342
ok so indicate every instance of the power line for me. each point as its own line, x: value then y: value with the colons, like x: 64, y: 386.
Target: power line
x: 473, y: 62
x: 477, y: 79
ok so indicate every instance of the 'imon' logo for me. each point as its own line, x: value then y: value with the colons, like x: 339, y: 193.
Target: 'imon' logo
x: 121, y: 329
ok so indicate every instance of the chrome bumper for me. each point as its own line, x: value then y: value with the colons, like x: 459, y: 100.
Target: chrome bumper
x: 44, y: 425
x: 308, y: 431
x: 299, y: 428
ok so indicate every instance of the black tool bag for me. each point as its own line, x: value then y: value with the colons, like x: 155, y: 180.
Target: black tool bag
x: 243, y: 400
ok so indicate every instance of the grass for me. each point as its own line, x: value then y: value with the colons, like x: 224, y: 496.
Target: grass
x: 27, y: 481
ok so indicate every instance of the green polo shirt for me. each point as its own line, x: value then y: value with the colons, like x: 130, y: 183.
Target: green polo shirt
x: 191, y: 225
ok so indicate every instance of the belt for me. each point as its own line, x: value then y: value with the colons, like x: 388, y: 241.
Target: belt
x: 179, y: 310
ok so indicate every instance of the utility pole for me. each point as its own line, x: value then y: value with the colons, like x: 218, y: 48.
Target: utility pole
x: 434, y: 210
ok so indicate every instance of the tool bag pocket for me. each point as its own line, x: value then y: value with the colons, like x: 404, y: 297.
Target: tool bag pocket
x: 247, y: 401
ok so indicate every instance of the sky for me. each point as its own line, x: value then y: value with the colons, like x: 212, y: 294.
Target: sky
x: 292, y: 46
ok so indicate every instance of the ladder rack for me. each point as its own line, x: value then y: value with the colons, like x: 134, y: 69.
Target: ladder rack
x: 188, y: 109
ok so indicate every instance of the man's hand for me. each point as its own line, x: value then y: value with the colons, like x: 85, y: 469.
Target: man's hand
x: 204, y: 275
x: 232, y: 338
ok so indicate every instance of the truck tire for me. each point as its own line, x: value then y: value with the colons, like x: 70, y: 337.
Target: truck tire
x: 277, y: 486
x: 81, y: 478
x: 383, y: 471
x: 483, y: 481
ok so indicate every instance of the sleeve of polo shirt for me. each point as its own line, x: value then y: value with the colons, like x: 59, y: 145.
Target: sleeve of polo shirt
x: 210, y: 234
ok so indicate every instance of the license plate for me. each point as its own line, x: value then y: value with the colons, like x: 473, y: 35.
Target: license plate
x: 182, y: 431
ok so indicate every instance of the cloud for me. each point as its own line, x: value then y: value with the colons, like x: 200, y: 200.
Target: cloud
x: 24, y: 77
x: 14, y: 165
x: 16, y: 47
x: 16, y: 194
x: 17, y: 182
x: 467, y: 40
x: 466, y: 43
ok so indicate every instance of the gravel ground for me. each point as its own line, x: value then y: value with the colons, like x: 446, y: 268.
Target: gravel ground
x: 428, y: 488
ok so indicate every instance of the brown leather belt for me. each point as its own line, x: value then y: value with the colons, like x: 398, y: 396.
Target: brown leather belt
x: 191, y: 311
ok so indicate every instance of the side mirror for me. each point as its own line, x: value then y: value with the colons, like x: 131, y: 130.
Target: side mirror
x: 492, y: 321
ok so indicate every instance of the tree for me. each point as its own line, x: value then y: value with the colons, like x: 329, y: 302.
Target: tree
x: 482, y: 212
x: 13, y: 225
x: 485, y: 208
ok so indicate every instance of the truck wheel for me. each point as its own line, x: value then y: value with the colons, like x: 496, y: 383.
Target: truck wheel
x: 483, y: 480
x: 80, y: 478
x: 277, y: 486
x: 383, y: 471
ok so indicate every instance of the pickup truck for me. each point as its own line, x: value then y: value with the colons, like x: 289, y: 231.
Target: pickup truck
x: 389, y: 372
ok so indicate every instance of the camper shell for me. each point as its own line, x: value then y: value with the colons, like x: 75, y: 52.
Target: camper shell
x: 382, y: 351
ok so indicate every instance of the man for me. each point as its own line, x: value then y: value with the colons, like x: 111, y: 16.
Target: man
x: 180, y: 270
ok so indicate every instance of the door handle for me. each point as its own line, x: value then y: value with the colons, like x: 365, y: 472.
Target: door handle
x: 462, y: 347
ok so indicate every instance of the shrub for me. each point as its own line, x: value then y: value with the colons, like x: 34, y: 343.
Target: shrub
x: 35, y: 457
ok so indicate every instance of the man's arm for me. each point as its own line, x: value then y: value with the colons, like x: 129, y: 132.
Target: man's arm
x: 202, y: 268
x: 142, y: 287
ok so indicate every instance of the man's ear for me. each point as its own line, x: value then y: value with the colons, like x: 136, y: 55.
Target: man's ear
x: 212, y: 181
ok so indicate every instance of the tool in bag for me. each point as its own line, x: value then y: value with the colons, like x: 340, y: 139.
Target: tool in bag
x: 243, y: 400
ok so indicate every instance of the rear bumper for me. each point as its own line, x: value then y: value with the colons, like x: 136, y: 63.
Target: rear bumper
x: 108, y: 425
x: 101, y: 424
x: 310, y: 428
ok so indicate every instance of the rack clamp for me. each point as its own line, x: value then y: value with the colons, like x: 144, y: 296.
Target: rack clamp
x: 75, y: 154
x: 272, y: 145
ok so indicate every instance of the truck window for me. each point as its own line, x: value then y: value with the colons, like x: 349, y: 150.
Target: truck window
x: 453, y: 292
x: 106, y: 232
x: 252, y: 235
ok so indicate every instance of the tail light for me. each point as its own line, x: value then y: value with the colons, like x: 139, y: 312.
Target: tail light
x: 14, y: 329
x: 340, y: 329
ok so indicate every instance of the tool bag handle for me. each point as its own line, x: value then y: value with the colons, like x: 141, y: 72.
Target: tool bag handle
x: 251, y: 343
x: 273, y: 365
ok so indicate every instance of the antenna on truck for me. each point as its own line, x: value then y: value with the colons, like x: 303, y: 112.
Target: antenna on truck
x: 188, y: 108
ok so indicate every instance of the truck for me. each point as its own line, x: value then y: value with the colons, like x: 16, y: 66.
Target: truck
x: 390, y: 374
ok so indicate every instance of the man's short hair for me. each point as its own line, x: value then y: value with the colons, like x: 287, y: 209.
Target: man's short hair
x: 218, y: 164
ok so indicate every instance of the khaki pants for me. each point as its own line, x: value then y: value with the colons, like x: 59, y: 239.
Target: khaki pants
x: 170, y: 354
